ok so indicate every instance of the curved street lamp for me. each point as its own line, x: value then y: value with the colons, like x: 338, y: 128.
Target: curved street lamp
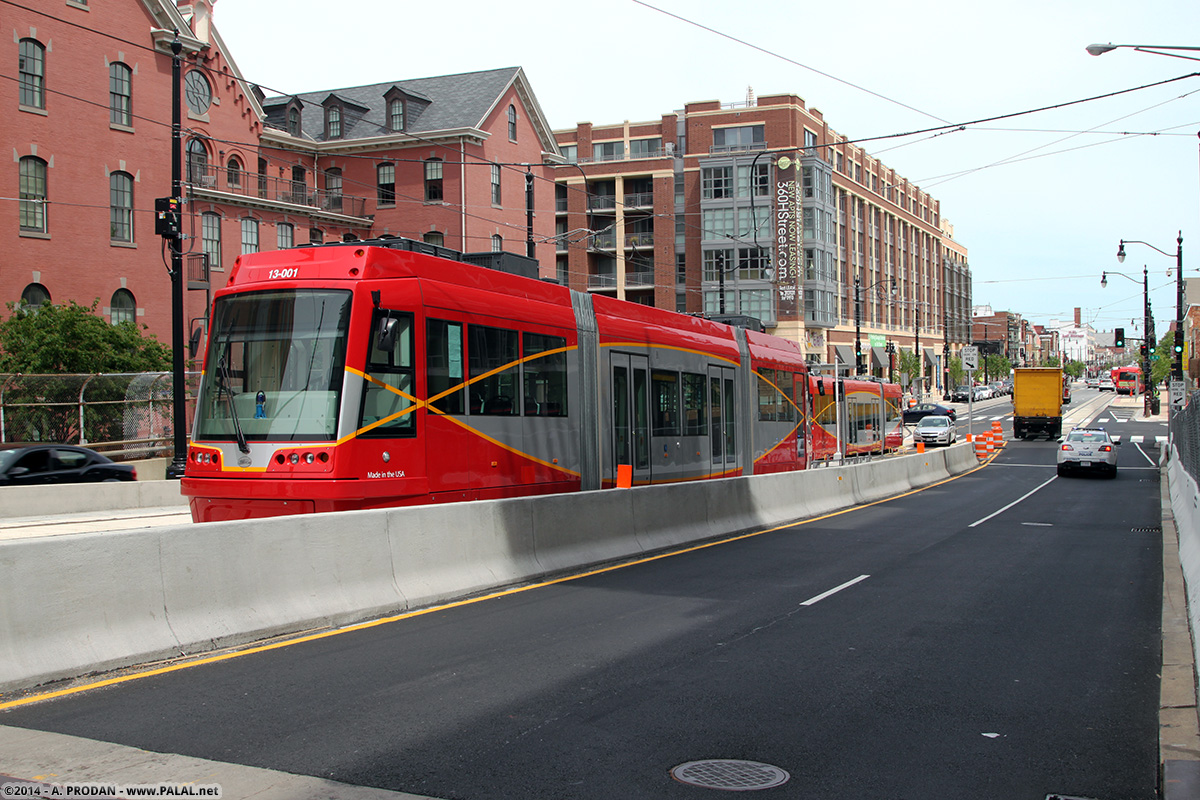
x: 858, y: 290
x: 1101, y: 49
x: 1177, y: 344
x: 1147, y: 322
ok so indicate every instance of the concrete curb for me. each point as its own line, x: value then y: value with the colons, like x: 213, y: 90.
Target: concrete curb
x: 1179, y: 725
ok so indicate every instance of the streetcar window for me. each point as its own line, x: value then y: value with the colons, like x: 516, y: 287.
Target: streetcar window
x: 276, y: 362
x: 545, y: 365
x: 389, y: 391
x: 444, y: 365
x: 665, y: 386
x: 493, y: 362
x: 768, y: 396
x: 695, y: 406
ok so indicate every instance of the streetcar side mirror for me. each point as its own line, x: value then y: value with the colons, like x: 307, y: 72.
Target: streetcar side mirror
x: 388, y: 328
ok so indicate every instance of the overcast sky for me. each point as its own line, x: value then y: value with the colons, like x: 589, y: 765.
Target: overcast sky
x: 1040, y: 201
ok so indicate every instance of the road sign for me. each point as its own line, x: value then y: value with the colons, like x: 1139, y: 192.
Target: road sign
x: 970, y: 357
x: 1177, y: 394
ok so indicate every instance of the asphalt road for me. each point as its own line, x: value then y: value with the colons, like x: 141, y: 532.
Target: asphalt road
x: 996, y: 636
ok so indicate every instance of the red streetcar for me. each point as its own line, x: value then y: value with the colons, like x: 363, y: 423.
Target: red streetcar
x: 391, y: 372
x: 870, y: 413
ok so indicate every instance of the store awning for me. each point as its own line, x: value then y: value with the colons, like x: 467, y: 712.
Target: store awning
x: 845, y: 354
x: 930, y: 359
x: 879, y: 357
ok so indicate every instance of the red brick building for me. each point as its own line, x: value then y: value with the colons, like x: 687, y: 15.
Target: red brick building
x: 760, y: 210
x: 442, y: 159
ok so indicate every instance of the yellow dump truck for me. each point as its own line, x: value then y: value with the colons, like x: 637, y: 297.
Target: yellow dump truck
x: 1037, y: 401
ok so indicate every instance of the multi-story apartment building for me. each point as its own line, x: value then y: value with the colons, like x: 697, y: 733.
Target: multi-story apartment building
x: 761, y: 211
x: 452, y: 160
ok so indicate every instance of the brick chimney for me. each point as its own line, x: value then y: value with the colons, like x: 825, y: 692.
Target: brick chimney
x: 1078, y: 318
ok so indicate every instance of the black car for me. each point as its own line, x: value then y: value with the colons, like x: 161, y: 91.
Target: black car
x: 33, y: 464
x: 922, y: 410
x: 961, y: 394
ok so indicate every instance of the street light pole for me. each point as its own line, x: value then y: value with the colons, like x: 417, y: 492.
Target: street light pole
x: 1177, y: 345
x: 1147, y: 322
x: 178, y: 388
x: 858, y: 359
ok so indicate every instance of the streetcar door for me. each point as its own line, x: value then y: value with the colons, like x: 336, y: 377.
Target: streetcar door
x: 631, y: 414
x: 722, y: 408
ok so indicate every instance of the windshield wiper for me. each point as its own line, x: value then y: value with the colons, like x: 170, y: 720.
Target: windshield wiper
x: 223, y: 385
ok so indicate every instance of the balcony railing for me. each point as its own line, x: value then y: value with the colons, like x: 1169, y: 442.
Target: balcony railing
x: 639, y: 200
x: 639, y: 240
x: 608, y: 281
x: 599, y: 202
x: 603, y: 241
x: 278, y: 190
x: 640, y: 278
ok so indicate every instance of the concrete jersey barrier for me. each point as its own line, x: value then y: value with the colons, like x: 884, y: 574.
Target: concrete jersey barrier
x: 81, y: 603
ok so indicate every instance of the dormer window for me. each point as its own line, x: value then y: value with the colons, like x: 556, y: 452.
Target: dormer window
x: 293, y: 121
x: 396, y: 115
x: 333, y: 123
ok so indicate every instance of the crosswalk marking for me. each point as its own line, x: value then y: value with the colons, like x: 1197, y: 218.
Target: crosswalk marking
x: 1139, y: 439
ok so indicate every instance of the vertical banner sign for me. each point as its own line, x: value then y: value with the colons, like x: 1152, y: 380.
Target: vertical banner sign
x: 788, y: 235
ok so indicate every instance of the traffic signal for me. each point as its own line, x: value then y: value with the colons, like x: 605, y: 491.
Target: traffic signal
x: 1119, y: 337
x: 1142, y: 351
x: 166, y: 217
x: 1177, y: 349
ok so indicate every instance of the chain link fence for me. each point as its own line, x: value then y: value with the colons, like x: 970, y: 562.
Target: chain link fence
x: 1185, y: 434
x: 123, y: 415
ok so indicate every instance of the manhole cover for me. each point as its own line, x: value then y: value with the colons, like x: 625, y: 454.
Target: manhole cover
x: 730, y: 775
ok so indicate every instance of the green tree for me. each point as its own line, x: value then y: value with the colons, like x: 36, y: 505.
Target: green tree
x: 1074, y: 369
x: 49, y: 343
x: 958, y: 375
x: 1160, y: 367
x: 997, y: 366
x: 910, y: 363
x: 75, y: 339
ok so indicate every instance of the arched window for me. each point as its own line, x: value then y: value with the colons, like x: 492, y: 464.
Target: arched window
x: 233, y: 173
x: 35, y: 295
x: 497, y: 243
x: 33, y: 194
x: 512, y: 123
x: 120, y: 94
x: 249, y: 235
x: 285, y: 235
x: 120, y: 194
x: 333, y: 123
x: 122, y: 308
x: 294, y: 121
x: 210, y: 238
x: 396, y: 115
x: 435, y: 237
x: 31, y: 72
x: 197, y: 164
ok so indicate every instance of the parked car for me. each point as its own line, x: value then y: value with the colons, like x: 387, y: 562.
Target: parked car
x: 983, y: 392
x: 1092, y: 383
x: 921, y: 410
x: 35, y: 463
x: 1088, y: 449
x: 961, y: 394
x: 936, y: 429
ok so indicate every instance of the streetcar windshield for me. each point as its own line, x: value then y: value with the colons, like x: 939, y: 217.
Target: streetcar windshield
x: 274, y: 367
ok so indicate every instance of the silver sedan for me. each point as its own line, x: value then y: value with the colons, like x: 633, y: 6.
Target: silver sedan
x: 935, y: 430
